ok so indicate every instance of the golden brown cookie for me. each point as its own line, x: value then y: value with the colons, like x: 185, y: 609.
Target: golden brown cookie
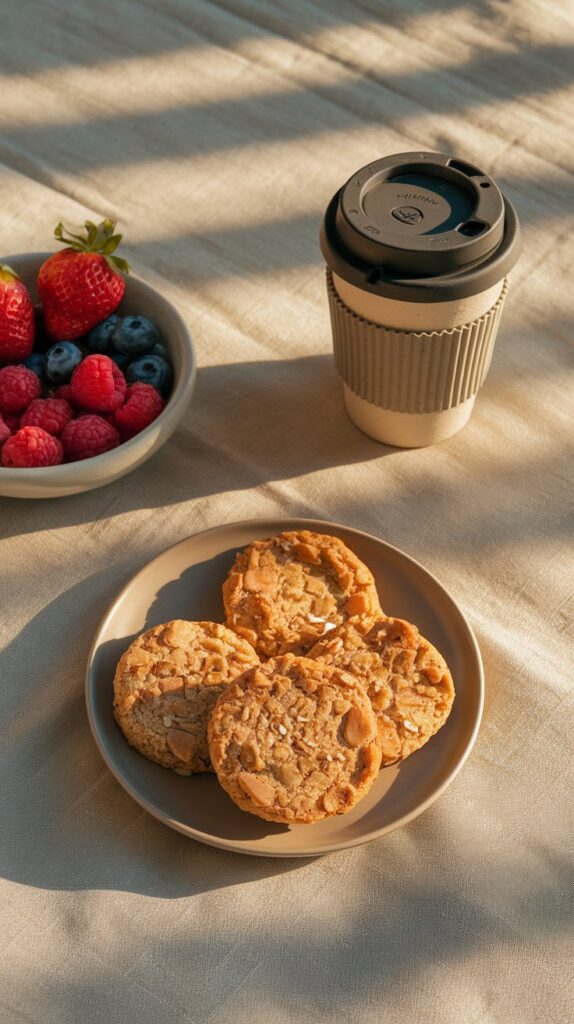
x: 166, y: 684
x: 407, y: 680
x: 294, y: 741
x: 284, y: 593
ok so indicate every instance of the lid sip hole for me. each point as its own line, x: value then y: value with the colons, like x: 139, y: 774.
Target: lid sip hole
x: 485, y: 184
x: 374, y: 275
x: 468, y: 169
x: 471, y: 228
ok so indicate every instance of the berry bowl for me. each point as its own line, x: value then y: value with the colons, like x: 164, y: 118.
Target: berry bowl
x: 73, y: 477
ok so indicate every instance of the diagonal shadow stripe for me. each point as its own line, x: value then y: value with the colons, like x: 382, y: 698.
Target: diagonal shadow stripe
x: 73, y: 33
x: 286, y: 115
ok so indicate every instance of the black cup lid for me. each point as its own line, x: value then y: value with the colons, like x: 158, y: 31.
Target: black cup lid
x: 417, y: 217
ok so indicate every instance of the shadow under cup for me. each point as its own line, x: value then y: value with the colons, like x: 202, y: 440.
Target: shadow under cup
x: 417, y: 247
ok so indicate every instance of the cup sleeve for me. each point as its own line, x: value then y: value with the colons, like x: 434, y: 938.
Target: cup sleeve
x: 412, y: 371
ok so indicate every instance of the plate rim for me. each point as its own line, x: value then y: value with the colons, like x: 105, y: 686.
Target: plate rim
x: 290, y: 522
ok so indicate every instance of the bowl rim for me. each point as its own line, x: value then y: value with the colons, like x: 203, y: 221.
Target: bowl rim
x: 64, y: 471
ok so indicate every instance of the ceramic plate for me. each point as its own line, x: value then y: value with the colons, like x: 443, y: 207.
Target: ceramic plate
x: 185, y: 582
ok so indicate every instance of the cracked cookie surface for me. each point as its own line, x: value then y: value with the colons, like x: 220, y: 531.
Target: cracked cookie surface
x: 406, y: 678
x: 166, y: 684
x: 283, y: 593
x: 294, y: 741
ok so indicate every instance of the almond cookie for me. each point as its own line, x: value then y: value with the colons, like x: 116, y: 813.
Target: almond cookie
x: 294, y: 741
x: 284, y: 593
x: 407, y: 680
x: 166, y: 684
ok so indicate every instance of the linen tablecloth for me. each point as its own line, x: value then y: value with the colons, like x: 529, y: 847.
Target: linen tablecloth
x: 216, y: 133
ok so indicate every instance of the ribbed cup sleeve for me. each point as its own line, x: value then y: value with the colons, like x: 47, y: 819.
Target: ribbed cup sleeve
x: 412, y: 371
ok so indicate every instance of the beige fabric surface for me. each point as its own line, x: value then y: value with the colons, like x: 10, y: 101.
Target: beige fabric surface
x: 216, y: 133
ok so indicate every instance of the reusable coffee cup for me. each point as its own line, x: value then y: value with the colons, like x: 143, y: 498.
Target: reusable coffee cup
x: 417, y: 247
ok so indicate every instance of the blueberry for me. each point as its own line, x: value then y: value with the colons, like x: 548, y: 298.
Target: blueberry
x: 120, y: 360
x: 160, y: 349
x: 61, y: 361
x: 151, y: 370
x: 100, y: 337
x: 36, y: 361
x: 135, y: 335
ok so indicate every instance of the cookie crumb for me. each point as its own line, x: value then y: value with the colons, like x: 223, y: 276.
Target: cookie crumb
x: 409, y: 725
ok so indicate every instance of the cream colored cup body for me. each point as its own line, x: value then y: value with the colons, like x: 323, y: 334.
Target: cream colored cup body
x: 405, y: 429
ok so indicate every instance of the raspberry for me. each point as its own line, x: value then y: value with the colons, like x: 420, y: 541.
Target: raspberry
x: 5, y: 431
x: 143, y: 404
x: 87, y: 436
x: 31, y: 446
x: 98, y: 384
x: 18, y: 387
x: 51, y: 414
x: 64, y: 391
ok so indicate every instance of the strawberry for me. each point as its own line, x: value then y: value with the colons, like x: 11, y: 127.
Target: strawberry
x: 80, y: 286
x: 16, y: 316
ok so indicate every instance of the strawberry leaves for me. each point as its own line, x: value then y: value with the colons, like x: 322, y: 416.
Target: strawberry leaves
x: 117, y: 263
x: 97, y: 238
x: 7, y: 274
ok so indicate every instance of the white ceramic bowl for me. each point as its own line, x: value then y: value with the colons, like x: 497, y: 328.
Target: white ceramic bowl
x: 73, y: 477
